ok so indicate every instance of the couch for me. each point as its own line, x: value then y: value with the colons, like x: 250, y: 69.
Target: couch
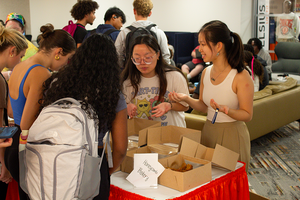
x: 288, y: 58
x: 273, y: 107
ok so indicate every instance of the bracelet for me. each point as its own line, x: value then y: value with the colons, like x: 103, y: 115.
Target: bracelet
x: 170, y: 104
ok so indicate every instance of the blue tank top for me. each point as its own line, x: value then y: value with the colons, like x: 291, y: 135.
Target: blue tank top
x: 19, y: 103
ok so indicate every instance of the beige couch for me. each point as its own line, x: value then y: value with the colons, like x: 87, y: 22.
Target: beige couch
x: 273, y: 107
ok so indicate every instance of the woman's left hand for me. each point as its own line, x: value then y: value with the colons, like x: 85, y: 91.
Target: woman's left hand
x: 221, y: 108
x: 161, y: 109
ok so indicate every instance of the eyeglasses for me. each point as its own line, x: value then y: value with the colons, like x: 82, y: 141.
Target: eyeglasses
x: 147, y: 60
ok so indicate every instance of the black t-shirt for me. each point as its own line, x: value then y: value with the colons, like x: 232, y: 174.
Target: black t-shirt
x: 79, y: 34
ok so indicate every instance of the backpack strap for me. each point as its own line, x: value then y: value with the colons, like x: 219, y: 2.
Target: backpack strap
x: 131, y: 28
x: 74, y: 101
x: 108, y: 150
x: 150, y: 26
x: 108, y: 32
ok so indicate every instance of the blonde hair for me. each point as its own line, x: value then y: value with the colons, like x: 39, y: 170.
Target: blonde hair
x: 10, y: 37
x: 143, y: 7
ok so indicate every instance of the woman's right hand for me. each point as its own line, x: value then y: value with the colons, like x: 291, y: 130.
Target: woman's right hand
x: 131, y: 110
x: 177, y: 97
x: 5, y: 142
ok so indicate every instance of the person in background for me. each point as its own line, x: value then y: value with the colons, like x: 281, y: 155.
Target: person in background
x: 265, y: 81
x: 193, y: 68
x: 226, y: 91
x: 259, y: 50
x: 84, y: 12
x: 17, y: 22
x: 12, y: 48
x: 114, y: 19
x: 147, y: 81
x: 97, y: 59
x: 142, y: 10
x: 25, y: 87
x: 256, y: 69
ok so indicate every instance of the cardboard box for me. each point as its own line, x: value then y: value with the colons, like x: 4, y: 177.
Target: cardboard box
x: 183, y: 181
x: 139, y: 127
x: 171, y: 134
x: 220, y: 156
x: 254, y: 196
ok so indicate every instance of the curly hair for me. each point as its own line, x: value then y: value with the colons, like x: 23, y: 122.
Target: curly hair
x: 257, y: 66
x: 143, y: 7
x: 131, y: 72
x: 92, y: 76
x: 82, y: 8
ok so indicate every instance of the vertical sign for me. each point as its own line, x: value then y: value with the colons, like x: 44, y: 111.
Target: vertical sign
x: 263, y: 22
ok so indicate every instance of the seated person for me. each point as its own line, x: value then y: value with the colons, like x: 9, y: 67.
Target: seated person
x: 255, y: 68
x: 259, y: 50
x: 265, y: 81
x: 172, y: 51
x: 194, y: 67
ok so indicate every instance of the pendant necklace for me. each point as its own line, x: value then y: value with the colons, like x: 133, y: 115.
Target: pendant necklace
x: 214, y: 79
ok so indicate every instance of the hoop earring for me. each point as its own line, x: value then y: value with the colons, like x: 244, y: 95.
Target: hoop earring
x: 56, y: 57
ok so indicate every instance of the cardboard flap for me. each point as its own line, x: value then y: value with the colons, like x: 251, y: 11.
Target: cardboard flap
x: 209, y: 154
x: 225, y: 158
x: 188, y: 147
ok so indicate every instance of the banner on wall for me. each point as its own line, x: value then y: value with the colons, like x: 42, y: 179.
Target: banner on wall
x: 263, y: 22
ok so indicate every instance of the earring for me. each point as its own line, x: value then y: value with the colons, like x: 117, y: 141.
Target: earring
x: 218, y: 53
x: 56, y: 57
x: 11, y: 55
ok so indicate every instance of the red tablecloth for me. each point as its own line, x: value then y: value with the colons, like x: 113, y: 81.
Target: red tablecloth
x: 232, y: 186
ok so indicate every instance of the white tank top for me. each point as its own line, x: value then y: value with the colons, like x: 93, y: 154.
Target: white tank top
x: 221, y: 93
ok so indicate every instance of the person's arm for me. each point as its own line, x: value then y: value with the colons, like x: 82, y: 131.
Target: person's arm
x: 131, y: 110
x: 119, y: 139
x: 163, y: 43
x: 9, y: 108
x: 34, y: 86
x: 120, y: 47
x: 244, y: 87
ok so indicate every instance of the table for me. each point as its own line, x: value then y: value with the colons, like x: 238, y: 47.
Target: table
x: 225, y: 185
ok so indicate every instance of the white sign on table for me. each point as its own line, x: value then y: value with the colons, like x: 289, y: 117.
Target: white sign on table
x: 146, y: 170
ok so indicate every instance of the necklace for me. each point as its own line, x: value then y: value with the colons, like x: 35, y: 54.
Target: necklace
x: 214, y: 79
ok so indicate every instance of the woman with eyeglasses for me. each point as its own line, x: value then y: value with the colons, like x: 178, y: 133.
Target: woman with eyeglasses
x: 147, y: 81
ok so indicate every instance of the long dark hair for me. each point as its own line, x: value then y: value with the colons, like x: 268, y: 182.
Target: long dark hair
x: 92, y: 76
x: 131, y: 72
x: 217, y: 31
x: 257, y: 66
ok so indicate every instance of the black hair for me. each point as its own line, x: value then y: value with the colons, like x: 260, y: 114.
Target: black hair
x: 257, y: 66
x: 249, y: 47
x: 257, y: 42
x: 132, y: 73
x: 2, y: 22
x: 51, y: 38
x: 114, y: 11
x: 92, y: 76
x: 217, y: 31
x: 82, y: 8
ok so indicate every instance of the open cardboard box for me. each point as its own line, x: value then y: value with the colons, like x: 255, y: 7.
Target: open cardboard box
x: 159, y: 135
x: 139, y: 127
x: 220, y: 156
x: 182, y: 181
x: 171, y: 134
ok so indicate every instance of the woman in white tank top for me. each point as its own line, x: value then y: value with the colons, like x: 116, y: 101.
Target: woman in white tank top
x: 225, y: 87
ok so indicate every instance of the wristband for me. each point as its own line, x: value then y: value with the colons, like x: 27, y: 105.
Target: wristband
x: 171, y: 105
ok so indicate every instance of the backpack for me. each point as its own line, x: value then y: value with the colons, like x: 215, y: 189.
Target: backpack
x: 71, y: 27
x: 94, y: 31
x: 134, y: 33
x: 61, y: 160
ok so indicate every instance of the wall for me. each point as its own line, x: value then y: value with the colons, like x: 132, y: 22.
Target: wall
x: 17, y: 6
x: 169, y: 15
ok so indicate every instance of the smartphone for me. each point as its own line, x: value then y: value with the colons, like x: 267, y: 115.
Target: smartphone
x: 8, y: 131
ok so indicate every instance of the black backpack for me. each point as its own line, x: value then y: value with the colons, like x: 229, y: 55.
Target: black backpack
x: 108, y: 32
x: 134, y: 33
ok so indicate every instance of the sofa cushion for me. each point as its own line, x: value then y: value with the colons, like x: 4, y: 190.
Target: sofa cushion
x: 288, y: 84
x: 262, y: 93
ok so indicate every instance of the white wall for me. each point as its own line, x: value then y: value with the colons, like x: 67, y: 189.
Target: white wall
x: 169, y: 15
